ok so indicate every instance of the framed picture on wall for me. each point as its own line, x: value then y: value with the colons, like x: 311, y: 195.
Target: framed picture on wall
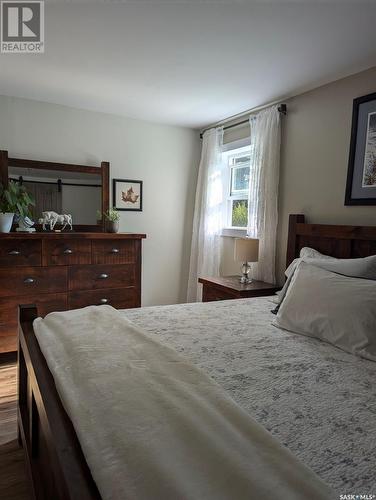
x: 127, y: 195
x: 361, y: 175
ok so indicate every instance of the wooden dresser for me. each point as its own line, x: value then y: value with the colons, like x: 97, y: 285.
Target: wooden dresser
x: 60, y: 271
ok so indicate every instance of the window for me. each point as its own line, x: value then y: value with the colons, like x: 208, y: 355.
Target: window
x: 238, y: 161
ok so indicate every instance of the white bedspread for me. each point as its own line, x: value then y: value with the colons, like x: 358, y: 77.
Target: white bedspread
x: 317, y: 400
x: 154, y: 426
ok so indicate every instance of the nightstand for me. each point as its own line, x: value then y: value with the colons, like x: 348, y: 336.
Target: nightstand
x: 229, y: 287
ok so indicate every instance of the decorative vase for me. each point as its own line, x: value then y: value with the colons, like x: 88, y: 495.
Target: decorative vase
x: 6, y: 221
x: 112, y: 226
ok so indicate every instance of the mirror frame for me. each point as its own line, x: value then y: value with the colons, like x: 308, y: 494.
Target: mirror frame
x: 103, y: 171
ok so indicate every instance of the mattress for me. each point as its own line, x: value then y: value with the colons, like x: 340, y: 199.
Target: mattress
x: 317, y: 400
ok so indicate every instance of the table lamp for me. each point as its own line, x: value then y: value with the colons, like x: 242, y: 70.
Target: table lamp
x: 246, y: 250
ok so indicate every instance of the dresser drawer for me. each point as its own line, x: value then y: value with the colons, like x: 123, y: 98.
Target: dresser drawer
x: 104, y: 276
x: 120, y: 298
x: 113, y: 251
x: 45, y: 303
x: 66, y: 252
x: 8, y: 343
x: 32, y: 281
x: 21, y: 252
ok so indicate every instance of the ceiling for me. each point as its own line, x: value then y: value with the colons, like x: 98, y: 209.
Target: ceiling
x: 190, y: 62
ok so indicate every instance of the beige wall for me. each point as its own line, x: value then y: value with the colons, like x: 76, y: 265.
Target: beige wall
x: 164, y: 157
x: 314, y: 158
x: 315, y: 149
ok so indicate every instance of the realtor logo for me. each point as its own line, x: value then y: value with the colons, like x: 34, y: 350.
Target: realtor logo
x: 22, y: 27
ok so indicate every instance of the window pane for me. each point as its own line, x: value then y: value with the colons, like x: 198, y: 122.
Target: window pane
x: 241, y: 160
x: 239, y: 215
x: 239, y: 179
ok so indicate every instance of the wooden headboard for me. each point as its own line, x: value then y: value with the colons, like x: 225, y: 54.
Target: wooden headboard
x: 344, y: 242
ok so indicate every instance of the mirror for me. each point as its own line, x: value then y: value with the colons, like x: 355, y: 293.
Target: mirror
x: 65, y: 188
x: 65, y: 192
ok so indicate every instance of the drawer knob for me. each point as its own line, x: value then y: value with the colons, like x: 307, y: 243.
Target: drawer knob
x: 28, y: 281
x: 115, y: 250
x: 14, y: 252
x: 103, y: 301
x: 68, y: 251
x: 103, y: 276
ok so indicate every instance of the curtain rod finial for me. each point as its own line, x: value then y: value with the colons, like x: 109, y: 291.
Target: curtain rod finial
x: 282, y: 108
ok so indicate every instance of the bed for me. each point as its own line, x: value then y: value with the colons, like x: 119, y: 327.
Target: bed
x: 316, y: 399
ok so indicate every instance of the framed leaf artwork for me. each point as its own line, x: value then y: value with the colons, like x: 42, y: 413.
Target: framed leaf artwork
x: 127, y: 195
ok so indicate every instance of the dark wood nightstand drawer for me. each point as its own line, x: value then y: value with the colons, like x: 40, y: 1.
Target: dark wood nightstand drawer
x: 211, y: 294
x: 17, y: 252
x: 120, y: 298
x: 113, y: 251
x: 101, y: 276
x: 66, y: 252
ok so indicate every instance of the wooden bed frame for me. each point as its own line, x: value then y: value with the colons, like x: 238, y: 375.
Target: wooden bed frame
x: 56, y: 464
x: 343, y: 242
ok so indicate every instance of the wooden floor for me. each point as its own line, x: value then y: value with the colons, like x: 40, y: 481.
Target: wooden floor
x: 13, y: 481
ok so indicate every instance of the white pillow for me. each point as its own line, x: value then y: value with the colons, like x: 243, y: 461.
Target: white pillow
x: 355, y: 268
x: 331, y: 307
x: 306, y: 253
x: 364, y: 267
x: 311, y: 253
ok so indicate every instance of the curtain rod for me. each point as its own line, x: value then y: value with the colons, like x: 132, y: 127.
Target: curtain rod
x: 282, y: 108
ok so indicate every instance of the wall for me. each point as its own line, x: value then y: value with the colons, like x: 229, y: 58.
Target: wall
x: 315, y: 150
x: 164, y: 157
x: 314, y: 160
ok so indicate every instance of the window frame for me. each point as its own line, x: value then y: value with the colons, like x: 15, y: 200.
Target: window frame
x: 236, y: 148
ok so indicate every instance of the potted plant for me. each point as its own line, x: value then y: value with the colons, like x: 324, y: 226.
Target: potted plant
x: 99, y: 217
x: 111, y: 218
x: 13, y: 200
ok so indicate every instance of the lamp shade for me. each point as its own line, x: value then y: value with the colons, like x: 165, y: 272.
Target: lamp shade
x: 246, y: 249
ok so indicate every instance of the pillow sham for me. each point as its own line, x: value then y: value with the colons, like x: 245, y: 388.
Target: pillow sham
x: 364, y: 267
x: 306, y: 253
x: 334, y: 308
x: 311, y: 253
x: 355, y: 268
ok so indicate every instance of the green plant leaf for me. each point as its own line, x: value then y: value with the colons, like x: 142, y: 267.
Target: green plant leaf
x: 15, y: 199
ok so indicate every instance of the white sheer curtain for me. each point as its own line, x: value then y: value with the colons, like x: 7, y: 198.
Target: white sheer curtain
x: 209, y: 215
x: 263, y: 189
